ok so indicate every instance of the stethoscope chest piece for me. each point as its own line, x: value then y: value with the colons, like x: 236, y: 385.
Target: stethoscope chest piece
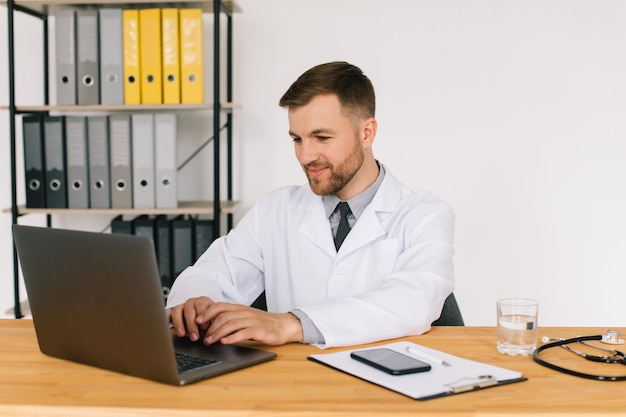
x: 612, y: 338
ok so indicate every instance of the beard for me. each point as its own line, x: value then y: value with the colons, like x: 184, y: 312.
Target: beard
x: 340, y: 175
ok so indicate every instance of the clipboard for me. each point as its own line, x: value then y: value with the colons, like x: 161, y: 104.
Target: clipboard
x: 461, y: 376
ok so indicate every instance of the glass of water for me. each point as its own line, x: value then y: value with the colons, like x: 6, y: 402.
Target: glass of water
x: 517, y: 326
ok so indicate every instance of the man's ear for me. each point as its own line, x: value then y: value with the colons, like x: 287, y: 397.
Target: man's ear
x: 368, y: 132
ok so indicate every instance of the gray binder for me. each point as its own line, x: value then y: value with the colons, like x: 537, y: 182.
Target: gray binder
x: 144, y: 226
x: 98, y: 142
x: 87, y: 69
x: 203, y: 236
x: 143, y: 160
x: 163, y: 233
x: 77, y: 162
x: 182, y: 244
x: 34, y: 164
x: 54, y: 150
x: 120, y: 157
x: 121, y: 225
x: 165, y: 133
x: 111, y: 69
x: 65, y: 41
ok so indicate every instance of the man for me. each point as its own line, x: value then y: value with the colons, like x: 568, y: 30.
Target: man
x: 388, y: 278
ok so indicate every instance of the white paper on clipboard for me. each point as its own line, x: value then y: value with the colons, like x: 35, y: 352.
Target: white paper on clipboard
x: 439, y: 381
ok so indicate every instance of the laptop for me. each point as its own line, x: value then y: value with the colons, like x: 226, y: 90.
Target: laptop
x: 96, y: 299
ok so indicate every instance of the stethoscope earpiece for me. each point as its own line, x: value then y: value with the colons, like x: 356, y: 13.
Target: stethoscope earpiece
x: 547, y: 339
x: 611, y: 337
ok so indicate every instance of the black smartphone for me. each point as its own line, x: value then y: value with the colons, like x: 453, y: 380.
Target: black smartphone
x: 390, y: 361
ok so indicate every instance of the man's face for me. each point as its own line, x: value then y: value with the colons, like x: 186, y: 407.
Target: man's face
x: 326, y: 143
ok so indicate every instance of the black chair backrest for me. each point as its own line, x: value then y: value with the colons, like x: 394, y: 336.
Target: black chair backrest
x: 450, y: 314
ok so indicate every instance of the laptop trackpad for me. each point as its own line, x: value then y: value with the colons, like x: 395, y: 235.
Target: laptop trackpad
x: 233, y: 356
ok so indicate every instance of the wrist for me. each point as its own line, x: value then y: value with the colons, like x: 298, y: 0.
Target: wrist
x: 294, y: 328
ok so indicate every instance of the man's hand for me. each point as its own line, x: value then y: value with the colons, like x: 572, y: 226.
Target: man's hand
x: 184, y: 317
x: 232, y: 323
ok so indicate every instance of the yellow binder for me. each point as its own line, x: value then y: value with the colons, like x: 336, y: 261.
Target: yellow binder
x: 150, y: 56
x: 132, y: 84
x: 171, y: 56
x: 191, y: 59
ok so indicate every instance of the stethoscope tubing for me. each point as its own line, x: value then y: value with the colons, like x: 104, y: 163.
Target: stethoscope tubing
x: 570, y: 371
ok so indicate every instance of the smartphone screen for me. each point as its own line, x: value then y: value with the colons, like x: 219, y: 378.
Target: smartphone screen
x: 390, y: 361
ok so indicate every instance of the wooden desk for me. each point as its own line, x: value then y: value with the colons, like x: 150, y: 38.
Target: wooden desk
x: 34, y: 384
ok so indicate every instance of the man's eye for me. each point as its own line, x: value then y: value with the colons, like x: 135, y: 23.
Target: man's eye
x: 322, y: 138
x: 297, y: 140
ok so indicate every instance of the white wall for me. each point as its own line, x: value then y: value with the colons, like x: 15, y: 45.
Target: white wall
x: 512, y: 111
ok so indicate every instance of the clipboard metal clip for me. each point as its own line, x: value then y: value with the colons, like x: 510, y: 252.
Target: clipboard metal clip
x: 471, y: 383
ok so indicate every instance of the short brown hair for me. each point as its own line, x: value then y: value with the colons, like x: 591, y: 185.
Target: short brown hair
x: 354, y: 90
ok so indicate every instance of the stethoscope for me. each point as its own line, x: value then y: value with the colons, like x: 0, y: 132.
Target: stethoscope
x: 614, y: 356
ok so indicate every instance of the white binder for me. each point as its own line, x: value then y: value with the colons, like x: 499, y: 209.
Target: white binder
x: 143, y: 160
x: 65, y: 41
x: 165, y: 133
x: 88, y: 78
x: 98, y: 140
x: 120, y: 158
x: 77, y: 162
x: 111, y: 66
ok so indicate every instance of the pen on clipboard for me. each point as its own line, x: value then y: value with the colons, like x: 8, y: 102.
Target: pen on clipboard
x: 471, y: 384
x: 426, y: 356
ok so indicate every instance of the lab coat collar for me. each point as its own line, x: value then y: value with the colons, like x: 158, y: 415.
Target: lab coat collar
x: 369, y: 227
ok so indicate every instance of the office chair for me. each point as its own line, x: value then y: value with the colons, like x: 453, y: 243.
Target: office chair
x: 450, y: 314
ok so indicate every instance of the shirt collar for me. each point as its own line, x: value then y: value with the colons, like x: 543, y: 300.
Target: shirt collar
x: 359, y: 202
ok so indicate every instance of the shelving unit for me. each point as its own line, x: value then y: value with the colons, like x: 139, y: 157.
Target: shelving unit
x: 42, y: 9
x: 124, y: 108
x: 184, y: 207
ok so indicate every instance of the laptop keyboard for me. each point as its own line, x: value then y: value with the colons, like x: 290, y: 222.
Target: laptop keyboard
x: 186, y: 362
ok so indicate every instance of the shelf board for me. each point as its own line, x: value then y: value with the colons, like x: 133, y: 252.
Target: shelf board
x: 184, y: 207
x: 48, y: 7
x: 100, y: 108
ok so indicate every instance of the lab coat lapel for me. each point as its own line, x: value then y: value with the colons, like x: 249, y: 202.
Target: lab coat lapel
x: 370, y: 226
x: 315, y: 225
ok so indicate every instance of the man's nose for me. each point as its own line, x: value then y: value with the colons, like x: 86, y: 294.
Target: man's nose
x: 307, y: 152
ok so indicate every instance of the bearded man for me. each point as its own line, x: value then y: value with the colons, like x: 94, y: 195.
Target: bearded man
x: 352, y: 257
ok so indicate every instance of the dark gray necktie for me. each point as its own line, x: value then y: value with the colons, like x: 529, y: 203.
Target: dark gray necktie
x: 344, y: 226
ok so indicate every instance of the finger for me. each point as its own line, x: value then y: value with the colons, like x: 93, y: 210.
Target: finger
x: 243, y: 324
x: 231, y: 331
x: 239, y: 336
x: 190, y: 315
x: 213, y: 310
x: 176, y: 317
x: 203, y: 308
x: 227, y: 319
x: 184, y: 317
x: 246, y: 333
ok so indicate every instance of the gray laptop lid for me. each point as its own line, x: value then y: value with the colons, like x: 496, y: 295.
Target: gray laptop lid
x: 96, y: 299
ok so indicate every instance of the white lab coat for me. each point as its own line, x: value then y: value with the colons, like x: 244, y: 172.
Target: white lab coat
x: 389, y: 279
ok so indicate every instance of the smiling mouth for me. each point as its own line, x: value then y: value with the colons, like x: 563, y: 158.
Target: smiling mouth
x: 316, y: 172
